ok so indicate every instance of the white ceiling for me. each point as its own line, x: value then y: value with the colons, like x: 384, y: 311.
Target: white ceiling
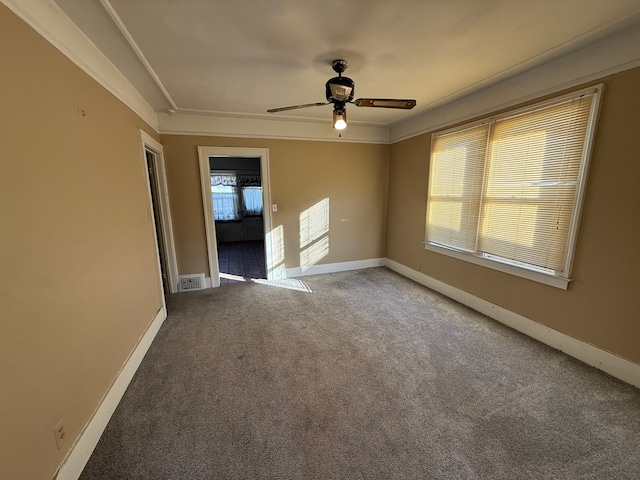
x: 238, y: 58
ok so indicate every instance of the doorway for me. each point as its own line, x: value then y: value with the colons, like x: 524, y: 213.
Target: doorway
x: 150, y: 156
x: 238, y: 214
x: 237, y: 227
x: 159, y: 205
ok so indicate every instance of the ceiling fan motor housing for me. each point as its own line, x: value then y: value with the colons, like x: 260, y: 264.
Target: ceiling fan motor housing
x: 340, y: 89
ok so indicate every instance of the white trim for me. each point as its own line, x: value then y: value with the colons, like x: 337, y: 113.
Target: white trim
x: 275, y: 128
x: 204, y: 153
x: 265, y: 179
x: 149, y: 199
x: 333, y: 267
x: 614, y: 365
x: 522, y: 272
x: 585, y: 165
x: 166, y: 225
x: 270, y: 117
x: 48, y: 19
x: 209, y: 223
x: 82, y: 449
x: 271, y: 137
x: 614, y: 54
x: 134, y: 46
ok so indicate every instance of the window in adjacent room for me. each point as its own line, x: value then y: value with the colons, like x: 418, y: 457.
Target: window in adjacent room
x: 235, y: 195
x: 224, y: 193
x: 252, y: 200
x: 506, y: 192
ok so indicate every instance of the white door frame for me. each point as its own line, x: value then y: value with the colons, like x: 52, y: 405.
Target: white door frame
x: 151, y: 145
x: 204, y: 153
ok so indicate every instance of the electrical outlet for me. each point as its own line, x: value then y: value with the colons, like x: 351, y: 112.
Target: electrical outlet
x: 60, y: 434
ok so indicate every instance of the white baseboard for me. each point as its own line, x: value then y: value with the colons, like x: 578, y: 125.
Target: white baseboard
x: 614, y: 365
x: 333, y: 267
x: 79, y: 454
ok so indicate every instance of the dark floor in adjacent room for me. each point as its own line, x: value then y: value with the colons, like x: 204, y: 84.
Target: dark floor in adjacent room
x: 241, y: 261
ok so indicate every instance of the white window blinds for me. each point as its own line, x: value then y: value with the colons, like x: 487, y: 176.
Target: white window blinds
x: 455, y: 191
x: 508, y: 189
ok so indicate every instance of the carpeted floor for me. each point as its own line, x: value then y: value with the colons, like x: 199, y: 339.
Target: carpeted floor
x: 371, y: 376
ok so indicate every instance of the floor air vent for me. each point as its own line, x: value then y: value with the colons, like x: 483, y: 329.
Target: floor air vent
x: 186, y: 283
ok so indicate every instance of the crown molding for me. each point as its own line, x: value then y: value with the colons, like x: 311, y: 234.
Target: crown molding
x: 115, y: 18
x: 613, y: 54
x: 218, y: 126
x: 270, y: 117
x: 46, y: 18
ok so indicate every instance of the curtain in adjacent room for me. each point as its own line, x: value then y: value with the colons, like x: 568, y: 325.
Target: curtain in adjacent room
x: 224, y: 194
x: 252, y: 197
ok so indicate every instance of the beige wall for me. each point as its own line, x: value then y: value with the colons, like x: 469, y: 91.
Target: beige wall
x: 79, y: 276
x: 602, y: 304
x: 79, y: 284
x: 351, y: 176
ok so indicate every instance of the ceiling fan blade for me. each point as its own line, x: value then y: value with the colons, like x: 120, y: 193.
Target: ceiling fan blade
x: 294, y: 107
x: 404, y: 104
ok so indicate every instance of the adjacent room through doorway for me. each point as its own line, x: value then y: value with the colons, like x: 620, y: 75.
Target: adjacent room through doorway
x: 238, y: 212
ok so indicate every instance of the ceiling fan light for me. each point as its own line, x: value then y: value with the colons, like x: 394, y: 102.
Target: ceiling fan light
x: 339, y: 119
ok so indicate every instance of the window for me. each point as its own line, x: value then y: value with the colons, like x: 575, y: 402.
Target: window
x: 252, y: 200
x: 225, y: 202
x: 235, y: 196
x: 506, y: 192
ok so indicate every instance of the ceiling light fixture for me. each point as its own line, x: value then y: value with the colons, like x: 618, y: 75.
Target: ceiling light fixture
x: 339, y: 118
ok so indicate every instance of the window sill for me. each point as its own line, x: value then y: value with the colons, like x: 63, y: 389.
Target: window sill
x: 536, y: 276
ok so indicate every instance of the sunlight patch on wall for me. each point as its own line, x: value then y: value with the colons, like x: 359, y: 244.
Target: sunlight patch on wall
x: 314, y: 230
x: 314, y: 253
x: 275, y: 254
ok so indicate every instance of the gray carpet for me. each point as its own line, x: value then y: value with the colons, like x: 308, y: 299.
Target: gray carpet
x: 370, y: 377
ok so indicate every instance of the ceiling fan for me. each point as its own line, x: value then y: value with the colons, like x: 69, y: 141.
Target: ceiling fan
x: 339, y: 92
